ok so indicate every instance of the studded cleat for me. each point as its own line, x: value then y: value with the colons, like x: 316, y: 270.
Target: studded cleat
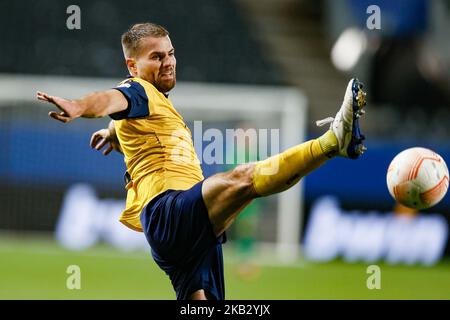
x: 345, y: 125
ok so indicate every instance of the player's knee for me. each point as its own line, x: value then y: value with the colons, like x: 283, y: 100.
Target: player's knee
x: 241, y: 179
x: 198, y: 295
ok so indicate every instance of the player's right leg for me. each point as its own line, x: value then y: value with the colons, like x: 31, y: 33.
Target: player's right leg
x: 226, y: 194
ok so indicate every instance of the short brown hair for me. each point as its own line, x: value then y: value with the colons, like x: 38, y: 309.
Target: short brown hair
x: 132, y: 37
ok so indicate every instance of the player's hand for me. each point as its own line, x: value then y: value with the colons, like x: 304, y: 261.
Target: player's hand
x: 69, y: 109
x: 103, y: 137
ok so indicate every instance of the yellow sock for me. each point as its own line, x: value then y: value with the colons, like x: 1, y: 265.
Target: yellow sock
x: 282, y: 171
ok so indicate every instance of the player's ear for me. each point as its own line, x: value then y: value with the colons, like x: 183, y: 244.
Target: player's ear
x: 131, y: 65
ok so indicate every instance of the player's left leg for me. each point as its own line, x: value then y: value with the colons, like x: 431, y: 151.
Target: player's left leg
x: 226, y: 194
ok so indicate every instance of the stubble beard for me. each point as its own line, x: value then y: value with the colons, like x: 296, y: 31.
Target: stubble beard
x: 166, y: 85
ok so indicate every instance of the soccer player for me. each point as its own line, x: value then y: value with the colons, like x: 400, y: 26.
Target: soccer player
x: 184, y: 216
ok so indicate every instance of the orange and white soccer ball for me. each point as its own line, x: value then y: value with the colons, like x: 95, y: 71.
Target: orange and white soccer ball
x: 418, y: 178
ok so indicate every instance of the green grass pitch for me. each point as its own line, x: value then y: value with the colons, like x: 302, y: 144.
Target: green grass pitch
x: 36, y: 269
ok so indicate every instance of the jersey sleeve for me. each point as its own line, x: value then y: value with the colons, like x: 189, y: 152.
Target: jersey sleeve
x: 137, y: 101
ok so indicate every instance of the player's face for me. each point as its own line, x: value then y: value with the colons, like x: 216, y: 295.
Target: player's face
x: 156, y: 63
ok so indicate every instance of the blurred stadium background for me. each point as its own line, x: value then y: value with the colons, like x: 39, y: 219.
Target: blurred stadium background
x: 59, y: 200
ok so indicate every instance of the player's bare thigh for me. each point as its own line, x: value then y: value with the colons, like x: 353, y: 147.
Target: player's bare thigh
x: 198, y: 295
x: 226, y: 194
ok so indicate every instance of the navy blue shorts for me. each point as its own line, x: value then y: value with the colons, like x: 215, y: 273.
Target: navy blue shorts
x: 177, y: 227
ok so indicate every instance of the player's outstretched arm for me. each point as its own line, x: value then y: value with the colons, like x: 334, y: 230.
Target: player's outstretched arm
x: 94, y: 105
x: 102, y: 137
